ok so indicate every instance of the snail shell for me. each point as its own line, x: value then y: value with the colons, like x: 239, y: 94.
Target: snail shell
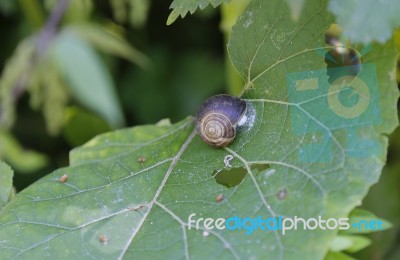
x: 217, y: 119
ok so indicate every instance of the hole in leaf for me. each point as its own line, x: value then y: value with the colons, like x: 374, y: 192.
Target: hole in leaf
x: 234, y: 176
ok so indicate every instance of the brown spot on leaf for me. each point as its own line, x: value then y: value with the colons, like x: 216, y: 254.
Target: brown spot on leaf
x: 63, y: 178
x: 282, y: 194
x: 219, y: 198
x: 103, y: 239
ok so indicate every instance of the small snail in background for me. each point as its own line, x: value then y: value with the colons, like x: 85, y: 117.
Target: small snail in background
x: 218, y: 118
x: 341, y: 56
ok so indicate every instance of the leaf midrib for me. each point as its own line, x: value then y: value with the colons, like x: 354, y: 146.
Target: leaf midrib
x: 158, y: 192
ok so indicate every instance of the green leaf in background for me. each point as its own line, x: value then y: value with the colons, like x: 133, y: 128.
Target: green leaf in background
x: 368, y: 20
x: 135, y: 10
x: 75, y: 128
x: 32, y: 12
x: 6, y: 176
x: 350, y: 244
x: 89, y: 81
x: 110, y: 42
x: 129, y: 193
x: 337, y: 256
x: 229, y: 14
x: 77, y: 10
x: 176, y: 89
x: 379, y: 200
x: 8, y: 7
x: 18, y: 64
x: 49, y: 93
x: 21, y: 159
x: 182, y: 7
x: 138, y: 12
x: 360, y: 215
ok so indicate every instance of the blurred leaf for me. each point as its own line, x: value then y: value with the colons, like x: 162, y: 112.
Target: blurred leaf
x: 110, y: 42
x: 349, y: 244
x: 296, y: 7
x: 181, y: 82
x: 6, y: 176
x: 40, y: 78
x: 13, y: 193
x: 384, y: 198
x: 396, y: 37
x: 89, y: 81
x: 182, y: 7
x: 395, y: 254
x: 368, y: 20
x: 81, y: 125
x: 78, y: 10
x: 119, y: 10
x: 360, y: 215
x: 14, y: 74
x: 22, y: 160
x: 8, y: 7
x: 230, y: 12
x: 358, y: 243
x: 164, y: 122
x: 33, y: 13
x: 48, y: 93
x: 138, y: 12
x: 340, y: 243
x: 337, y: 256
x: 395, y: 146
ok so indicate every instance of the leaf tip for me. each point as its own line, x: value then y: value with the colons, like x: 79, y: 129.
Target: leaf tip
x: 172, y: 17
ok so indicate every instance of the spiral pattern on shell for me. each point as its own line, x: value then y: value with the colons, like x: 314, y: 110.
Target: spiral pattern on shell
x: 217, y: 130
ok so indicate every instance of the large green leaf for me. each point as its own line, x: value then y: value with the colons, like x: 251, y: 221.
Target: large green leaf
x: 129, y: 193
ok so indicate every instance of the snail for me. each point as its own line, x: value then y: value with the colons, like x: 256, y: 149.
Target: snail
x: 341, y: 56
x: 218, y: 118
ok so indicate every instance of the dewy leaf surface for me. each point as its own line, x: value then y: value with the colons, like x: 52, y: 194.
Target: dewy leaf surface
x: 129, y: 193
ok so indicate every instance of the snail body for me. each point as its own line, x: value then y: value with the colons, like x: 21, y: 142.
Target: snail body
x: 218, y: 118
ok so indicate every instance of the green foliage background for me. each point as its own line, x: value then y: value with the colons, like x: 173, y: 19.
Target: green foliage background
x: 153, y: 70
x: 178, y: 67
